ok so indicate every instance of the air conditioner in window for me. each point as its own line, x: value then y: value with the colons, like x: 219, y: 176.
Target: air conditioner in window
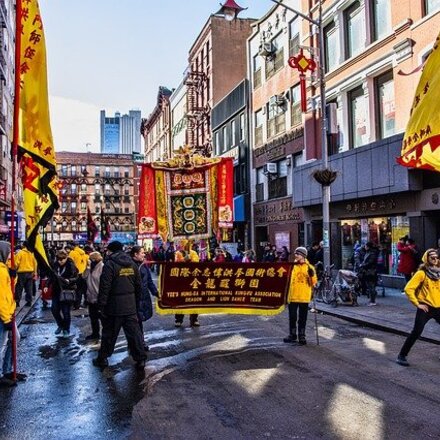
x: 280, y: 100
x: 270, y: 168
x: 267, y: 49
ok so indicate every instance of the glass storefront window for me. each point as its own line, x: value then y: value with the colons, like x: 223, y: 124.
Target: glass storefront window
x: 384, y: 232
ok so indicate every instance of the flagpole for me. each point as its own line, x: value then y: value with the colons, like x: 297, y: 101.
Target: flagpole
x: 18, y: 12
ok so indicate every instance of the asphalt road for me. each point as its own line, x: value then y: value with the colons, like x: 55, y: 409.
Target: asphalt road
x: 232, y: 378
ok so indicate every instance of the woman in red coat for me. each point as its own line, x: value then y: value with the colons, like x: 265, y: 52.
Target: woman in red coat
x: 407, y: 263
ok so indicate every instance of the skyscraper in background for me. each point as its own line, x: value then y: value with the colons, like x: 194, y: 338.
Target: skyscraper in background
x: 121, y: 134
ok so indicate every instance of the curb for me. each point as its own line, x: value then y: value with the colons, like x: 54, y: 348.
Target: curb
x: 375, y: 325
x: 24, y: 311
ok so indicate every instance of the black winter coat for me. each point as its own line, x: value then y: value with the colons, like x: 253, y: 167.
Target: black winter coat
x: 119, y: 286
x: 145, y: 306
x: 64, y: 277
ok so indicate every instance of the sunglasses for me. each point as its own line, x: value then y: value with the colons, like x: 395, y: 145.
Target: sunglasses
x: 434, y: 257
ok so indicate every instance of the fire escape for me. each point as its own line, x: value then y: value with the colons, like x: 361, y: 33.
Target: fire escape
x: 198, y: 113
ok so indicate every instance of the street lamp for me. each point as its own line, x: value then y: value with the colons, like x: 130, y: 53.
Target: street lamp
x: 324, y: 176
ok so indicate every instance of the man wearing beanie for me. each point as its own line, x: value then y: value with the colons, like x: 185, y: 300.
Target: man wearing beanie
x: 302, y: 281
x: 119, y: 293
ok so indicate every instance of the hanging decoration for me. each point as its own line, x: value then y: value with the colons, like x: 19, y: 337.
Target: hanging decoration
x: 186, y: 197
x: 301, y: 63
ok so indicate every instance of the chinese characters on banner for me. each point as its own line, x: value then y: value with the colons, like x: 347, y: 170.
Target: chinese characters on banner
x: 249, y: 288
x: 189, y: 200
x: 421, y: 142
x: 35, y: 144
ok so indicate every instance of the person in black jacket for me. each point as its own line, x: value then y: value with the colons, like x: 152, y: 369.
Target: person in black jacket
x: 119, y: 294
x: 64, y: 277
x: 368, y: 271
x: 145, y: 305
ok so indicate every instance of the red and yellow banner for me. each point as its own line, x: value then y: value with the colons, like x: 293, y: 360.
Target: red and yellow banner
x: 35, y: 143
x: 421, y: 142
x: 188, y: 199
x: 240, y: 288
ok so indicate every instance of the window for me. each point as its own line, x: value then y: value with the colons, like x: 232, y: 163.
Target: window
x: 126, y: 190
x: 97, y: 209
x: 233, y: 133
x: 381, y: 18
x: 73, y: 207
x: 64, y: 170
x: 83, y: 206
x: 276, y: 61
x: 73, y: 170
x: 354, y: 30
x: 259, y: 127
x: 226, y: 142
x: 107, y: 189
x: 260, y: 184
x: 84, y: 188
x: 84, y: 170
x: 97, y: 171
x: 73, y: 188
x: 97, y: 188
x: 431, y: 6
x: 107, y: 172
x: 331, y: 47
x: 242, y: 127
x: 277, y: 185
x: 127, y: 172
x: 385, y: 105
x: 116, y: 171
x: 63, y: 207
x: 294, y: 37
x: 358, y: 117
x: 296, y: 114
x: 217, y: 142
x: 258, y: 63
x: 127, y: 210
x: 276, y: 118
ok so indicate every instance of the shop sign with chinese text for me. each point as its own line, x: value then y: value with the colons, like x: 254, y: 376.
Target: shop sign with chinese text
x: 241, y: 288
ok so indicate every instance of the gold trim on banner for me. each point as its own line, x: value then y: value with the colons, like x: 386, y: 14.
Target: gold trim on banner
x: 161, y: 208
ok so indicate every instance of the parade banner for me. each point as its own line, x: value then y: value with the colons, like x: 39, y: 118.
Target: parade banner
x: 421, y: 143
x: 186, y: 197
x: 35, y: 144
x: 236, y: 288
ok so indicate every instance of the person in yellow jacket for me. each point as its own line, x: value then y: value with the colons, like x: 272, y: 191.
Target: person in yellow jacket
x: 81, y: 260
x: 302, y: 281
x: 26, y: 267
x: 7, y: 309
x: 185, y: 255
x: 423, y: 290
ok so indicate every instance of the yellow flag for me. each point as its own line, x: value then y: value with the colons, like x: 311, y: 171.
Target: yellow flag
x: 35, y: 143
x: 421, y: 144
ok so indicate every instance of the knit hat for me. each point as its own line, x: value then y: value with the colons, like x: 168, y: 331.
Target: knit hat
x: 115, y: 246
x: 301, y: 251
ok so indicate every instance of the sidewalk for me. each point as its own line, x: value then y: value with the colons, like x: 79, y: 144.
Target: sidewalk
x: 393, y: 313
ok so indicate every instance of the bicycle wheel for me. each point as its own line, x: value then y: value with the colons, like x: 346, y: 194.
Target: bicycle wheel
x: 328, y: 291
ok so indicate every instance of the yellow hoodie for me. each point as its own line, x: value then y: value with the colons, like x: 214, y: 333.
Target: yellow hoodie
x: 422, y: 289
x: 25, y: 261
x: 301, y: 284
x: 80, y: 258
x: 7, y: 303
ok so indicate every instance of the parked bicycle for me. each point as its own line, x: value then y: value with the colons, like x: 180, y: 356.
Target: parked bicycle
x: 323, y: 289
x: 346, y: 289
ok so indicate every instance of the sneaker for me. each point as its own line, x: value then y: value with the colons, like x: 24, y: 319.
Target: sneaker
x: 195, y: 323
x: 372, y: 304
x: 178, y: 324
x: 92, y: 337
x: 100, y: 362
x: 5, y: 382
x: 66, y: 333
x: 291, y: 339
x: 401, y: 360
x: 58, y: 330
x: 20, y: 377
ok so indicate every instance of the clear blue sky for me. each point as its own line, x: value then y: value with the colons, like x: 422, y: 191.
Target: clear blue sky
x: 114, y: 54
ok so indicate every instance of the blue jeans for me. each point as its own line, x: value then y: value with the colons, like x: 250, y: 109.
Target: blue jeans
x: 61, y: 312
x: 7, y: 359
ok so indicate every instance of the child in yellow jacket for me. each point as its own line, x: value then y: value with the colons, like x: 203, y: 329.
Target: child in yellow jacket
x: 302, y: 281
